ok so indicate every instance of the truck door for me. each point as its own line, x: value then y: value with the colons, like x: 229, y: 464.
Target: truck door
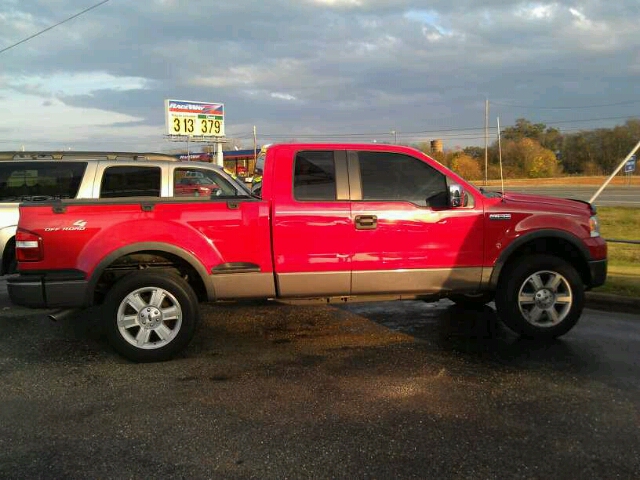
x: 407, y: 238
x: 312, y: 226
x: 236, y: 226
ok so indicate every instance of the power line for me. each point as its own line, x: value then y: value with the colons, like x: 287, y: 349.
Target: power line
x: 54, y: 26
x: 369, y: 134
x: 440, y: 132
x: 630, y: 102
x: 626, y: 117
x: 474, y: 133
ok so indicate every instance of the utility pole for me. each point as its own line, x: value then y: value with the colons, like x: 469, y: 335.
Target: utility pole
x: 500, y: 156
x: 486, y: 141
x: 255, y: 145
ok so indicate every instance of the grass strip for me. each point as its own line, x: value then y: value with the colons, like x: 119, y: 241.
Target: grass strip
x: 621, y: 223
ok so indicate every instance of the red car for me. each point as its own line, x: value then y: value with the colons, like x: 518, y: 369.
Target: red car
x: 195, y: 187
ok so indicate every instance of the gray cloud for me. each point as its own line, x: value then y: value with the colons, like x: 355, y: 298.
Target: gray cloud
x: 308, y: 67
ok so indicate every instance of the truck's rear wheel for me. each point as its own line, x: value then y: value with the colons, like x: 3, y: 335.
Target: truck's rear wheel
x: 541, y: 296
x: 9, y: 262
x: 150, y: 316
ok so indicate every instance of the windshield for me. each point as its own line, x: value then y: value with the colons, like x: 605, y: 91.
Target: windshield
x: 489, y: 193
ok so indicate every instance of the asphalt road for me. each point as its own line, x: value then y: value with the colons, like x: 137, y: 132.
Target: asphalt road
x: 384, y: 390
x: 612, y: 196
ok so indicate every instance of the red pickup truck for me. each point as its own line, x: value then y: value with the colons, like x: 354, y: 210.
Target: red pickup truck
x: 330, y: 221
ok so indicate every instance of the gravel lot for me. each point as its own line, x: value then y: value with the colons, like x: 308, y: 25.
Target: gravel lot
x: 401, y: 389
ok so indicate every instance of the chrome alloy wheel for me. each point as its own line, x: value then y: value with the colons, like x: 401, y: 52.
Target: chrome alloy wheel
x: 149, y: 318
x: 545, y: 298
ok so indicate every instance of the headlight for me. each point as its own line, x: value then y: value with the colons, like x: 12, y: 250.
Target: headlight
x: 594, y: 226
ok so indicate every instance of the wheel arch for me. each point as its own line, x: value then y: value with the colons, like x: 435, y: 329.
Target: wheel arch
x: 8, y: 255
x: 552, y: 242
x: 146, y: 255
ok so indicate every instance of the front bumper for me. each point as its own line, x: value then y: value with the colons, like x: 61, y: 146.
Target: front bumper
x: 68, y: 290
x: 598, y: 269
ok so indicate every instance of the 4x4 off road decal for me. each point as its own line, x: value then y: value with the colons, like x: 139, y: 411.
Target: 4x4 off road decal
x: 78, y: 225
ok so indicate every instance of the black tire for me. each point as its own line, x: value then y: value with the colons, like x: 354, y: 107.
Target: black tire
x: 9, y: 261
x: 472, y: 300
x: 150, y: 332
x: 540, y: 296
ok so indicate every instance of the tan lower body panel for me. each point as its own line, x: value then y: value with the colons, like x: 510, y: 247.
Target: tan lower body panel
x: 416, y: 281
x: 330, y: 284
x: 243, y: 285
x: 314, y: 284
x: 486, y: 276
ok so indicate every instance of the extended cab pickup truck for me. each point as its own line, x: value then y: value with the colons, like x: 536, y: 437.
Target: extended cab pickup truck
x: 330, y: 221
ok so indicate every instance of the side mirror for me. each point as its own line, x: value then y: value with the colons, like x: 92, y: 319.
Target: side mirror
x: 456, y: 196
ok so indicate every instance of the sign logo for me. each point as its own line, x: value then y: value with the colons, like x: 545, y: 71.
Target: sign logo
x: 194, y: 119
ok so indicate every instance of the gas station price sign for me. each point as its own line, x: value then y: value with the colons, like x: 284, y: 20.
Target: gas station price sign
x: 194, y: 119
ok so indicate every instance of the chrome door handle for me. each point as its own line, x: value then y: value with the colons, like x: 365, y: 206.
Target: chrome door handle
x: 366, y: 222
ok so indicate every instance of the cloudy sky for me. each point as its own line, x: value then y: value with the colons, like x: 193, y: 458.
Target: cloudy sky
x: 352, y: 70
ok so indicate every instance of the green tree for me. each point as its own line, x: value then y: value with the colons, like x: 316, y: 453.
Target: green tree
x: 474, y: 152
x: 524, y: 129
x: 552, y: 139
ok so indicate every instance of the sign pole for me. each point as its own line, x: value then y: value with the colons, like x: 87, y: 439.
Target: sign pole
x: 219, y: 157
x: 622, y: 164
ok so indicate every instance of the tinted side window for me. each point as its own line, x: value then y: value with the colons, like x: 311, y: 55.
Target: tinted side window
x: 25, y: 181
x: 397, y: 177
x: 314, y: 176
x: 130, y: 181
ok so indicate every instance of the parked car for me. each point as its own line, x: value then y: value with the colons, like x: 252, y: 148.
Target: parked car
x: 55, y: 176
x: 195, y: 187
x: 335, y: 222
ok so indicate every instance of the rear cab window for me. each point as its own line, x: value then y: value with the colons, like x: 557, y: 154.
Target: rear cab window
x: 314, y: 176
x: 22, y: 181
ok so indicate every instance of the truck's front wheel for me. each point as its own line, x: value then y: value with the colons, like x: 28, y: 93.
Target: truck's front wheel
x: 150, y: 316
x: 540, y: 296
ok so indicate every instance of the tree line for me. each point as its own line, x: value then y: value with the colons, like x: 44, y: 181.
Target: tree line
x: 534, y: 150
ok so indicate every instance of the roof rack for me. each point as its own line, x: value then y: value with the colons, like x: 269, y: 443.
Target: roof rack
x: 66, y: 155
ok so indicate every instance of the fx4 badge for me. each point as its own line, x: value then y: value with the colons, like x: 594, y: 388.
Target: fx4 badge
x: 500, y: 216
x: 79, y: 225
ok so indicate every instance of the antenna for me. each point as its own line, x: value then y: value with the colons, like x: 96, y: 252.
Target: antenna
x: 500, y: 157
